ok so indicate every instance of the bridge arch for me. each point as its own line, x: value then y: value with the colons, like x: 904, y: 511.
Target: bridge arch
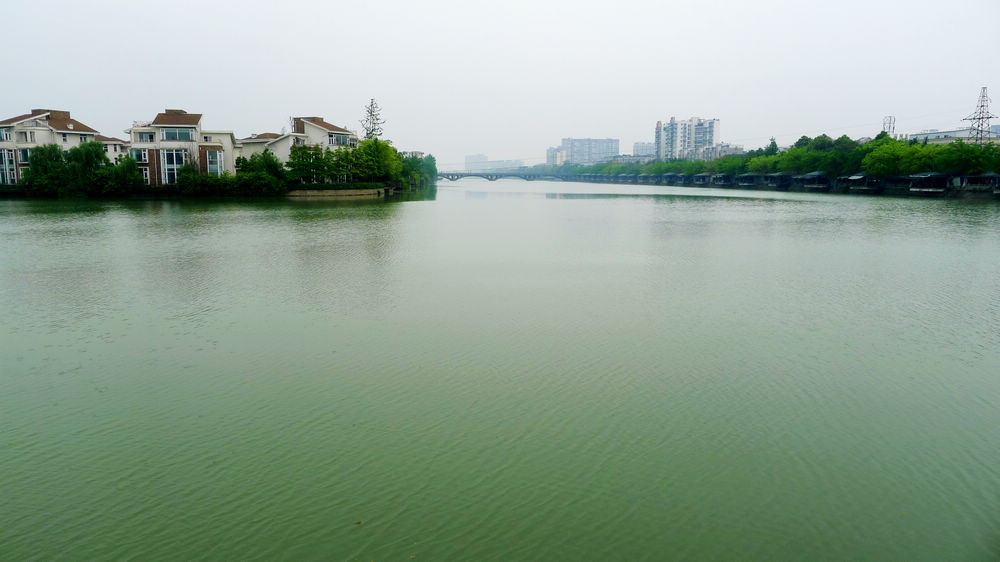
x: 493, y: 176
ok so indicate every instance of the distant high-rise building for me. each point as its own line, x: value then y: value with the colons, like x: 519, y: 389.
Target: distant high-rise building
x: 480, y: 163
x: 717, y: 151
x: 644, y: 149
x: 475, y: 162
x: 685, y: 139
x: 582, y: 151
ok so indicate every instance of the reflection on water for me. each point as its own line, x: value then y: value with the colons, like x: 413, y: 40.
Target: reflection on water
x: 507, y: 370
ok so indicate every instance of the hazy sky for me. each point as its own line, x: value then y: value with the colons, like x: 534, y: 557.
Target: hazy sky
x: 508, y: 79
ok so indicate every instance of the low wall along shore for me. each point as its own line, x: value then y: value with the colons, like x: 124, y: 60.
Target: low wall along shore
x: 337, y: 193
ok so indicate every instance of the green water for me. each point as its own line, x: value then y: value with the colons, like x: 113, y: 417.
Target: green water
x: 512, y: 371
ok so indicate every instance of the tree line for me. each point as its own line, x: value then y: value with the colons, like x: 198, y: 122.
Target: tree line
x: 882, y: 157
x: 86, y: 170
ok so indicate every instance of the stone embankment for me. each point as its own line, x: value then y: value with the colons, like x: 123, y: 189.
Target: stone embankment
x: 337, y: 193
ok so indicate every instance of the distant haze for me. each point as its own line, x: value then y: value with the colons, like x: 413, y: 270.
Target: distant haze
x: 509, y: 79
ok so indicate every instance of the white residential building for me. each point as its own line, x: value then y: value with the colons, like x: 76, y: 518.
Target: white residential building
x: 717, y: 151
x: 685, y: 139
x: 175, y: 138
x: 115, y: 148
x: 480, y: 163
x: 318, y: 132
x: 279, y: 144
x: 582, y: 151
x: 935, y: 136
x: 19, y: 135
x: 306, y: 131
x: 644, y: 149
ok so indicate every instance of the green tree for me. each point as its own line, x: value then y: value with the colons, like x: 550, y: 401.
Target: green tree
x: 763, y: 164
x: 306, y: 165
x: 46, y: 173
x: 844, y: 143
x: 263, y: 162
x: 730, y: 165
x: 693, y: 167
x: 885, y: 161
x: 377, y: 161
x: 820, y: 143
x: 117, y: 180
x: 772, y: 148
x: 372, y: 123
x: 83, y: 162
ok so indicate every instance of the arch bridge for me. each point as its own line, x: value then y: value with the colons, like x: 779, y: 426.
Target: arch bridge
x: 494, y: 176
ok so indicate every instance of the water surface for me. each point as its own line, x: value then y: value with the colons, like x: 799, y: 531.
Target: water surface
x: 511, y: 371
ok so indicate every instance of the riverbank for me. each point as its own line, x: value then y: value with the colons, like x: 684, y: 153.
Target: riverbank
x: 381, y: 192
x: 338, y: 193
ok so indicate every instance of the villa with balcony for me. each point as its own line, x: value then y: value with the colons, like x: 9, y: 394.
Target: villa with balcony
x: 175, y: 138
x: 20, y: 134
x: 318, y: 132
x: 279, y: 144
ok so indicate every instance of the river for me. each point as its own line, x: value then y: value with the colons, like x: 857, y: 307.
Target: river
x: 508, y: 371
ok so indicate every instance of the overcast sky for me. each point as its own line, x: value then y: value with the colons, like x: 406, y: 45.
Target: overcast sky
x: 508, y: 79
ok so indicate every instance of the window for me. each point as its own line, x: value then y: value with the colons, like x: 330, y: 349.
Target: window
x: 178, y: 134
x: 207, y: 138
x: 4, y: 134
x: 65, y: 137
x: 116, y: 147
x: 145, y: 137
x: 24, y: 156
x: 215, y: 162
x: 105, y: 149
x: 171, y: 161
x: 27, y: 136
x: 337, y: 139
x: 85, y: 138
x: 139, y: 154
x: 8, y: 167
x: 145, y: 175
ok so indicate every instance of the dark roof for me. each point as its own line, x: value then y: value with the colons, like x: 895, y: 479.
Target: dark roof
x: 57, y: 119
x: 102, y: 138
x: 15, y: 119
x: 177, y: 117
x: 318, y: 121
x: 263, y: 136
x: 69, y: 125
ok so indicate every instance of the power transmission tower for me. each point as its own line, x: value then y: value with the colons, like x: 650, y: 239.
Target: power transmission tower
x: 889, y: 124
x: 979, y: 130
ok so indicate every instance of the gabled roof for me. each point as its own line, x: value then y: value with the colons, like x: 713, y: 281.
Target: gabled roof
x: 69, y: 125
x: 58, y: 120
x: 14, y: 120
x: 262, y: 137
x: 319, y: 122
x: 176, y: 117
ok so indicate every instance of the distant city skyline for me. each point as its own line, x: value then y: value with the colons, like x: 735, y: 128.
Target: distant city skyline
x: 452, y: 82
x: 582, y: 151
x: 481, y: 163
